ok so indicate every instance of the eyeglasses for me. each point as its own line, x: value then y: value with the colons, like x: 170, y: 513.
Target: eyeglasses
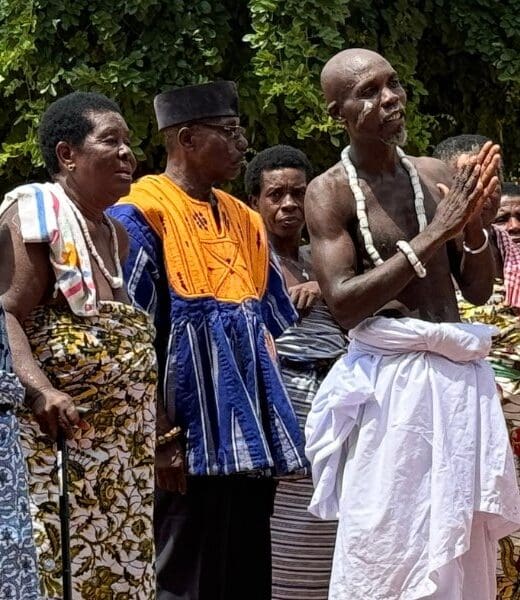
x: 232, y: 132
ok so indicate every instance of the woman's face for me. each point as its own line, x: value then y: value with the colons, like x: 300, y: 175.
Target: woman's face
x: 280, y: 202
x: 104, y: 163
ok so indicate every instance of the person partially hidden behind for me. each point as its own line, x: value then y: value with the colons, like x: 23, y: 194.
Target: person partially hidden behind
x: 508, y: 216
x: 275, y: 181
x: 502, y: 310
x: 406, y: 436
x: 200, y: 263
x: 77, y: 342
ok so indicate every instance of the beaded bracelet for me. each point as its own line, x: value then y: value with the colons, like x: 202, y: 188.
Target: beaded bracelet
x: 481, y: 248
x: 413, y: 259
x: 167, y: 437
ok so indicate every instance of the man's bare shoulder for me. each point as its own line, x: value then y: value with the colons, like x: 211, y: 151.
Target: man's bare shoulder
x: 329, y: 190
x: 329, y: 203
x: 433, y: 168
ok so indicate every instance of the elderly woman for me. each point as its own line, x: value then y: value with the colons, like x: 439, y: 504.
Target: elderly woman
x: 77, y: 342
x: 18, y: 579
x: 276, y: 180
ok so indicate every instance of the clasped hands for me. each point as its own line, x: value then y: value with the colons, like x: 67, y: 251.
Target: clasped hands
x: 476, y: 188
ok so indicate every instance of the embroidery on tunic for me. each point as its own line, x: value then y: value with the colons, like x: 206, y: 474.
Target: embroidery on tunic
x: 230, y: 265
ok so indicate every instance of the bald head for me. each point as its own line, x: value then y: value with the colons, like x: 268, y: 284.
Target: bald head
x: 364, y: 94
x: 344, y: 69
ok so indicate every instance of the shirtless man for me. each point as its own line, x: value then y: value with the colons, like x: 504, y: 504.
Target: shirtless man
x: 364, y: 93
x: 397, y: 432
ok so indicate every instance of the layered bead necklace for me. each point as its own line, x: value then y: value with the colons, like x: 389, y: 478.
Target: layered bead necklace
x: 361, y: 209
x: 116, y: 281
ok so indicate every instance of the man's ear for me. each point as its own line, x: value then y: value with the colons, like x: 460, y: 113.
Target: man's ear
x: 333, y: 110
x: 253, y: 201
x: 185, y: 138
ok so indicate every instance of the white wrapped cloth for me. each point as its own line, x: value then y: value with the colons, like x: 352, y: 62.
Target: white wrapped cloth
x: 407, y: 442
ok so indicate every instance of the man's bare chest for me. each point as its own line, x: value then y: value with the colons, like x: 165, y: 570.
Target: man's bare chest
x: 392, y: 213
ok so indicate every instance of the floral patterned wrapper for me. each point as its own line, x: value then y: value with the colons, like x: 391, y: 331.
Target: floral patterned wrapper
x: 107, y: 364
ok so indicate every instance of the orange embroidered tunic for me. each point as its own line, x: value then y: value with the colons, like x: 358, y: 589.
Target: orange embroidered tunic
x: 218, y: 299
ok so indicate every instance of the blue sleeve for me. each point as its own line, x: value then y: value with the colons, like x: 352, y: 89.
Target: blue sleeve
x: 277, y: 309
x: 143, y: 267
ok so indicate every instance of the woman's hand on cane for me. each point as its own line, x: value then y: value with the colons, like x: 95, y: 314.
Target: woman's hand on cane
x: 53, y: 409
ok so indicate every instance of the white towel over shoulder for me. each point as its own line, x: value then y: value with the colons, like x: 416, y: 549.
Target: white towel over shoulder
x: 407, y: 441
x: 46, y: 215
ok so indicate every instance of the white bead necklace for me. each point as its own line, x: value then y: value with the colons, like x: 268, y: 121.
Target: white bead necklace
x: 361, y: 208
x: 116, y: 281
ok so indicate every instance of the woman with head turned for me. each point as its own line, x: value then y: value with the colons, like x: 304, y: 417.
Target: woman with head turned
x: 80, y: 348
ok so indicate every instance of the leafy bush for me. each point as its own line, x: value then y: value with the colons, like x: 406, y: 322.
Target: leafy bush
x: 459, y: 60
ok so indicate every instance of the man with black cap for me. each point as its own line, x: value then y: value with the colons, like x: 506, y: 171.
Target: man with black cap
x: 200, y: 264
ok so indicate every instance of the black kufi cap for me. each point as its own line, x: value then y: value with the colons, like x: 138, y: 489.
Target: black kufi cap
x: 195, y: 102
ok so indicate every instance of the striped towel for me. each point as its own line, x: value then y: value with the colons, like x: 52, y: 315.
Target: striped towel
x: 46, y: 215
x: 510, y: 252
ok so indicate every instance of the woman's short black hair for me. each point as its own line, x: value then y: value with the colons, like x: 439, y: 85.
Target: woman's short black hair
x: 275, y: 157
x: 66, y: 120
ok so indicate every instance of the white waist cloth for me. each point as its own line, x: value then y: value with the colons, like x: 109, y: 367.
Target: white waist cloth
x: 407, y: 441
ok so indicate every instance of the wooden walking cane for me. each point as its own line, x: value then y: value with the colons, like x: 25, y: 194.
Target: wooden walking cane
x: 63, y: 480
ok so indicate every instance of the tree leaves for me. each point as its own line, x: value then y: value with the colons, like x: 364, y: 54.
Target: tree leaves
x: 130, y: 51
x: 459, y: 61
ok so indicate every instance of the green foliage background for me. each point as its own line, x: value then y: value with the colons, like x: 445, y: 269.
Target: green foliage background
x: 459, y: 61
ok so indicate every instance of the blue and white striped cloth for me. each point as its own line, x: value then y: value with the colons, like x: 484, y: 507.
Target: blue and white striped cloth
x: 220, y: 373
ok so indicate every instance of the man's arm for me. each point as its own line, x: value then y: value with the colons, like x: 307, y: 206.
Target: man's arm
x: 277, y: 308
x: 140, y: 257
x: 352, y: 297
x: 474, y: 273
x: 148, y: 288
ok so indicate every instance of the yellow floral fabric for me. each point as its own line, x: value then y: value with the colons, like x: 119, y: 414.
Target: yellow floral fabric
x: 505, y: 360
x: 107, y: 364
x: 505, y: 353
